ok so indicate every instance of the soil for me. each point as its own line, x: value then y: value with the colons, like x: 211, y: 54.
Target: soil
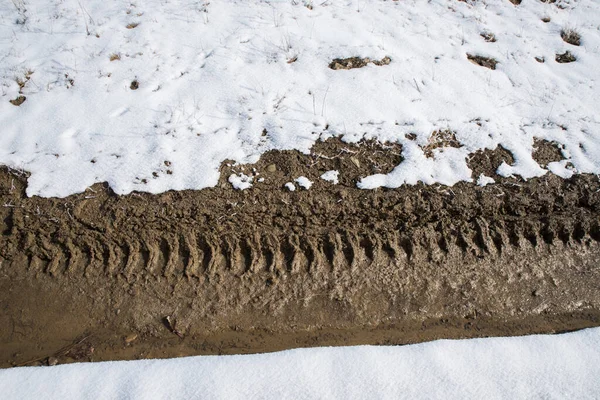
x: 357, y: 62
x: 565, y: 58
x: 97, y: 276
x: 483, y: 61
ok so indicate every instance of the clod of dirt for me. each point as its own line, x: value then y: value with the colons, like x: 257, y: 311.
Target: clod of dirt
x: 384, y: 61
x: 18, y: 101
x: 546, y: 20
x: 132, y: 25
x: 440, y: 139
x: 487, y: 161
x: 571, y: 36
x: 545, y: 152
x: 356, y: 62
x: 488, y: 37
x: 516, y: 2
x: 487, y: 62
x: 565, y: 57
x: 540, y: 59
x: 115, y: 57
x: 354, y: 161
x: 134, y: 85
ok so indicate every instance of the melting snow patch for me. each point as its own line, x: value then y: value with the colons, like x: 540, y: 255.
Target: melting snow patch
x: 304, y: 182
x: 241, y: 181
x: 290, y: 186
x: 331, y: 176
x: 485, y: 180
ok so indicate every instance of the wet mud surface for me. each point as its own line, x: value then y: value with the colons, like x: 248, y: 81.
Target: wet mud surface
x: 97, y: 276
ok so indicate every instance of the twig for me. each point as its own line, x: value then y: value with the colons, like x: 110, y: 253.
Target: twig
x: 171, y: 326
x: 60, y: 352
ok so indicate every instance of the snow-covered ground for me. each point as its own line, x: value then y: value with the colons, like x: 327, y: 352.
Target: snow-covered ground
x: 533, y: 367
x: 152, y: 95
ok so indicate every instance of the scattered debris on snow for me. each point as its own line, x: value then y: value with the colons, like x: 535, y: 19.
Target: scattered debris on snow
x: 121, y: 86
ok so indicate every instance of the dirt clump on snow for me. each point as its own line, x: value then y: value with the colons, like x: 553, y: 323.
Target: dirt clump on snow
x: 482, y: 61
x: 487, y: 161
x: 545, y: 152
x: 18, y: 101
x: 571, y: 36
x: 439, y: 140
x: 357, y: 62
x: 565, y: 58
x: 96, y: 276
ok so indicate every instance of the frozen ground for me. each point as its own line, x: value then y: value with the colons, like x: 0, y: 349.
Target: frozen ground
x: 152, y: 95
x: 533, y: 367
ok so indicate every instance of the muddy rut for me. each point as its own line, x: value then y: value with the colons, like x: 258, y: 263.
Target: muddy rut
x: 97, y: 276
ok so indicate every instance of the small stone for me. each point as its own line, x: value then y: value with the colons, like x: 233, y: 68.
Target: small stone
x: 271, y: 168
x: 52, y: 361
x: 355, y: 161
x: 130, y: 338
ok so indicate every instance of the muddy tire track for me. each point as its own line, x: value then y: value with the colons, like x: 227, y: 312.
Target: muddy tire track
x: 267, y: 269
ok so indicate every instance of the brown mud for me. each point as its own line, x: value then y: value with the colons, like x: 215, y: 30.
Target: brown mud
x: 97, y: 276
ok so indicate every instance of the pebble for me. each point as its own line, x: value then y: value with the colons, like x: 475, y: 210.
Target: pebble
x: 130, y: 338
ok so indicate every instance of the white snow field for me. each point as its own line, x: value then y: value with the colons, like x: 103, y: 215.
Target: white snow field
x: 563, y: 366
x: 152, y: 95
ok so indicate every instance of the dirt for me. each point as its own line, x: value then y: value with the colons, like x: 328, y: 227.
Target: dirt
x: 439, y: 140
x: 18, y: 101
x: 571, y: 36
x: 97, y: 276
x: 545, y: 152
x: 565, y: 58
x: 488, y: 37
x: 357, y: 62
x: 486, y: 62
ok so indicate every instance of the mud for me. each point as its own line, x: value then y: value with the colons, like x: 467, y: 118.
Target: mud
x: 97, y: 276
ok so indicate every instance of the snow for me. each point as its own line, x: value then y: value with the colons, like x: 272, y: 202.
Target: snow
x: 240, y: 181
x: 563, y: 366
x: 485, y: 180
x: 232, y: 79
x: 290, y: 186
x: 304, y: 182
x: 331, y: 176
